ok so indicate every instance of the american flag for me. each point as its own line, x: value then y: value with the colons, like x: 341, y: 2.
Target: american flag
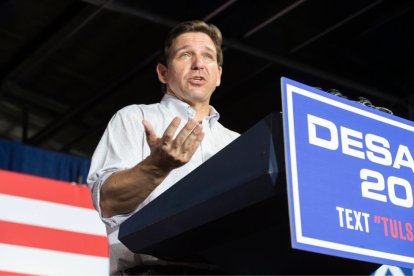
x: 49, y: 227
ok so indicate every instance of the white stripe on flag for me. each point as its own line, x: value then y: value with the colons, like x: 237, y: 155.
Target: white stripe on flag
x: 20, y: 259
x: 51, y: 215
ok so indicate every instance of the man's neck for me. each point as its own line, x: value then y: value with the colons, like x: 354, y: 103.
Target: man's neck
x: 202, y: 111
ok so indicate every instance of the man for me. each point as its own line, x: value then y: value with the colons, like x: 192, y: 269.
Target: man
x: 148, y: 148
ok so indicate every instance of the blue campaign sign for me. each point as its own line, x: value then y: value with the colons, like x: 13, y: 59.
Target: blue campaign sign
x: 350, y: 172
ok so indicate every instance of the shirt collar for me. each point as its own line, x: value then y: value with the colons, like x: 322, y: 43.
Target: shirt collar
x: 184, y: 110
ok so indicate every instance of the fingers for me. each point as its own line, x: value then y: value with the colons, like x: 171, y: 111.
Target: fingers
x: 170, y: 131
x: 189, y: 133
x: 167, y: 136
x: 149, y: 132
x: 184, y: 133
x: 179, y: 149
x: 193, y: 140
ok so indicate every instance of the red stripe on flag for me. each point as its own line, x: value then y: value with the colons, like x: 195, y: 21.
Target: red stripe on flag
x: 8, y: 273
x: 53, y: 239
x: 35, y: 187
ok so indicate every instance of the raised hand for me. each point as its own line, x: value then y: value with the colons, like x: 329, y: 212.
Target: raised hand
x: 168, y: 153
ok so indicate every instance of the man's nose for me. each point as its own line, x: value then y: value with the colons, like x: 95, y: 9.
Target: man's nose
x: 197, y: 62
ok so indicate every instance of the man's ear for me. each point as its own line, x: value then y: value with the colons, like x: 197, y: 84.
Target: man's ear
x: 220, y: 71
x: 162, y: 73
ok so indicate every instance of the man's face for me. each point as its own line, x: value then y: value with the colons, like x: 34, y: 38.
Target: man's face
x: 192, y: 73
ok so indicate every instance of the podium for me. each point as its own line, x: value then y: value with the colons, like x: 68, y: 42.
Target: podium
x: 232, y: 211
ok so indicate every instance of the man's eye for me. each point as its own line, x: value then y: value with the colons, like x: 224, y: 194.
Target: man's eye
x: 208, y: 57
x: 185, y: 55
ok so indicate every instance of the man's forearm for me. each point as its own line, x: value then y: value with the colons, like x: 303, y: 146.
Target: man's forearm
x: 123, y: 191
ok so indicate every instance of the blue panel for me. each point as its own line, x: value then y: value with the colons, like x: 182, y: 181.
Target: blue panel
x: 18, y: 157
x: 350, y: 173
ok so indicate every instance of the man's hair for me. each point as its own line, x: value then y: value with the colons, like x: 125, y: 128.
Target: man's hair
x: 189, y: 27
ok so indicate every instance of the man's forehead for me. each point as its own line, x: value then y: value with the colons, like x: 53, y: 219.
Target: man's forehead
x: 190, y: 46
x: 190, y: 39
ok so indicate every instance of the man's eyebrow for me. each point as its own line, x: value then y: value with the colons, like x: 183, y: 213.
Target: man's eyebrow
x: 184, y: 47
x: 181, y: 48
x: 210, y: 49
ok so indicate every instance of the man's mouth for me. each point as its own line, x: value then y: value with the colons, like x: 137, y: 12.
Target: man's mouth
x: 197, y: 80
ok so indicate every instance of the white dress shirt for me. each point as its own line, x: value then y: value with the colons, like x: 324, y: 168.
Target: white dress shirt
x: 123, y: 145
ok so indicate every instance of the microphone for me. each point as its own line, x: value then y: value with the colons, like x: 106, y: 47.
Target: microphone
x: 361, y: 100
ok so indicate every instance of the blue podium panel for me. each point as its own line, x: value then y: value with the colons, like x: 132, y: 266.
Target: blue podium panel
x: 350, y: 174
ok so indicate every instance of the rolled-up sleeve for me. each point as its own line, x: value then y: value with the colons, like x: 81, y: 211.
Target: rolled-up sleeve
x: 120, y: 148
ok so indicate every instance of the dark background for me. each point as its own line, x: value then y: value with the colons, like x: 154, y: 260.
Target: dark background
x: 67, y: 66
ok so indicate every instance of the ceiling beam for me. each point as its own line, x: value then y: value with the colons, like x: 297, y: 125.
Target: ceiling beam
x: 334, y: 27
x: 310, y: 70
x: 390, y: 15
x: 122, y: 7
x: 258, y: 53
x: 83, y: 106
x: 50, y: 39
x: 219, y: 10
x: 14, y: 90
x: 273, y: 18
x: 110, y: 88
x: 42, y: 45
